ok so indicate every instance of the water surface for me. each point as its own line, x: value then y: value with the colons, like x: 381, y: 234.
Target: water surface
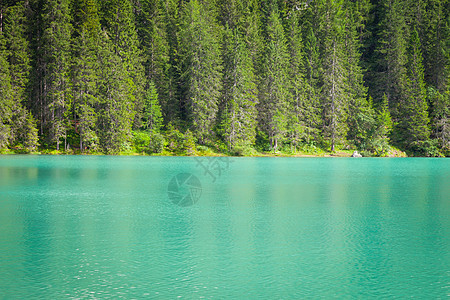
x: 106, y: 227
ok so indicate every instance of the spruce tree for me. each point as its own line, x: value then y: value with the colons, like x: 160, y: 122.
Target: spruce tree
x: 312, y: 64
x: 116, y: 110
x: 118, y: 19
x: 361, y: 118
x: 85, y: 72
x: 383, y: 128
x: 334, y: 78
x: 239, y: 96
x: 152, y: 117
x: 6, y: 97
x: 15, y: 26
x: 391, y: 76
x: 274, y: 89
x: 300, y: 110
x: 201, y: 69
x: 413, y: 125
x: 55, y: 83
x: 153, y: 37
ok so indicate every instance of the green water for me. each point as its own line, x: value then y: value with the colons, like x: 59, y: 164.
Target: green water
x: 266, y: 228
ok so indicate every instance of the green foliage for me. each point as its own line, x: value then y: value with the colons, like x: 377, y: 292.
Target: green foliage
x: 413, y: 131
x: 188, y: 143
x: 440, y: 116
x: 174, y: 139
x: 141, y: 141
x: 157, y: 142
x: 274, y: 86
x: 201, y: 68
x: 289, y: 76
x: 152, y: 117
x: 384, y: 124
x: 239, y: 96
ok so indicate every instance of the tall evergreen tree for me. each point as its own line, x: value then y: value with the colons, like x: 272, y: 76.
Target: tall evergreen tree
x: 201, y: 68
x: 413, y: 125
x: 361, y: 119
x: 312, y: 65
x: 153, y: 37
x: 118, y: 19
x: 391, y: 76
x: 116, y: 110
x: 334, y: 78
x: 152, y: 117
x: 6, y: 97
x: 55, y: 96
x: 274, y: 89
x: 239, y: 92
x: 22, y: 124
x: 303, y: 114
x: 85, y: 72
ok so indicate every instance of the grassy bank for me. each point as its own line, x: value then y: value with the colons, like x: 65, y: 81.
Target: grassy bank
x: 199, y: 150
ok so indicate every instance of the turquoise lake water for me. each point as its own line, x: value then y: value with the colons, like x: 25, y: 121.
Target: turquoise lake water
x: 228, y: 228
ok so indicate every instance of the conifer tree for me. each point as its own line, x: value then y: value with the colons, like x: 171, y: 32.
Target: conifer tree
x: 413, y: 125
x: 15, y: 50
x: 153, y: 37
x: 201, y: 69
x: 361, y: 118
x: 312, y: 64
x: 383, y: 128
x: 85, y: 72
x: 334, y: 78
x: 116, y: 111
x: 299, y: 110
x: 6, y: 98
x: 152, y: 111
x: 239, y: 97
x: 16, y: 41
x: 118, y: 19
x: 274, y: 88
x: 391, y: 76
x: 55, y: 83
x: 173, y: 109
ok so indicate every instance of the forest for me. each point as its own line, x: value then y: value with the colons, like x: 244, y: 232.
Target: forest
x: 239, y: 77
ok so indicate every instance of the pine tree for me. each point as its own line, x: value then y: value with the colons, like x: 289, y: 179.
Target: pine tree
x: 238, y: 114
x: 312, y: 64
x: 152, y: 117
x: 413, y: 125
x: 172, y: 107
x: 55, y: 83
x: 119, y: 22
x: 334, y: 88
x: 384, y: 124
x: 436, y: 51
x: 361, y: 118
x: 116, y: 111
x: 153, y: 37
x: 85, y: 72
x: 16, y: 41
x: 201, y: 69
x: 252, y: 33
x: 440, y: 117
x: 299, y: 129
x: 6, y: 97
x: 391, y: 76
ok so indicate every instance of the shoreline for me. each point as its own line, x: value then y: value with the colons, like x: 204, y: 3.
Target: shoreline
x: 337, y: 154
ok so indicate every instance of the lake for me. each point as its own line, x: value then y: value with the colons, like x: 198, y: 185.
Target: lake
x: 223, y: 228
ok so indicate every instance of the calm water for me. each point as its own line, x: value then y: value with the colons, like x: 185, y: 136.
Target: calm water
x: 111, y: 227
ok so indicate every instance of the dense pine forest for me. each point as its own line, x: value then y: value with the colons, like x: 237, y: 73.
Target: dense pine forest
x: 236, y: 76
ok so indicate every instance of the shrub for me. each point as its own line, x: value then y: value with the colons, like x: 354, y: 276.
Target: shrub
x: 156, y: 144
x: 141, y: 140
